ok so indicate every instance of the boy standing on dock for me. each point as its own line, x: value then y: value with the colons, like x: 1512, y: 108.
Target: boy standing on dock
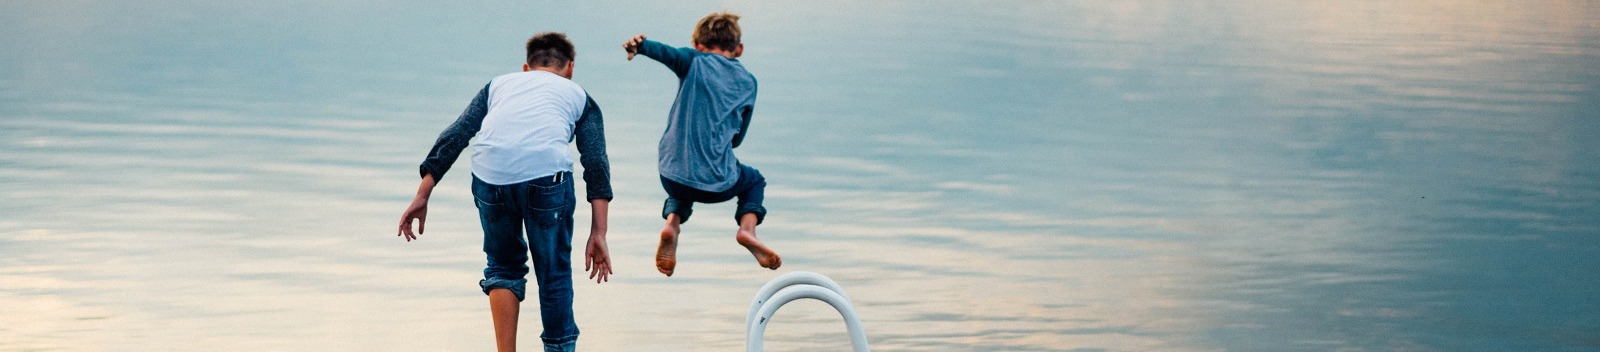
x: 521, y: 124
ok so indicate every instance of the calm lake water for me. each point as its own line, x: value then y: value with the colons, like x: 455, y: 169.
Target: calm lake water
x: 979, y: 176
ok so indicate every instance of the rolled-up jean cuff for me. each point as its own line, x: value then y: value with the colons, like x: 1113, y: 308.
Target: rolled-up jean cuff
x: 760, y: 211
x: 674, y: 206
x: 516, y: 286
x: 564, y: 343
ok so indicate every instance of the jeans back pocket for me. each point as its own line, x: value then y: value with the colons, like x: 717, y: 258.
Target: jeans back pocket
x: 490, y: 200
x: 546, y: 204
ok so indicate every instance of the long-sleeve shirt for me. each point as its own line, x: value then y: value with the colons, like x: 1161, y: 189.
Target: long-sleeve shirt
x: 521, y: 124
x: 710, y: 116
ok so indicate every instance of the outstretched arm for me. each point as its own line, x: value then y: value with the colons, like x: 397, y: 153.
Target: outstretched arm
x: 676, y: 59
x: 444, y: 153
x: 454, y: 139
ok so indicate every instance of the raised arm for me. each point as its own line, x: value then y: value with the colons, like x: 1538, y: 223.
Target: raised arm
x: 591, y: 137
x: 676, y: 59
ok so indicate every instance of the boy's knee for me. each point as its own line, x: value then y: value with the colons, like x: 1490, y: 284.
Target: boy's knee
x: 750, y: 173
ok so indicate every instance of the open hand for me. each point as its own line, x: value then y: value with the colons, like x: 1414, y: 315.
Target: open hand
x: 598, y: 261
x: 632, y: 46
x: 417, y: 210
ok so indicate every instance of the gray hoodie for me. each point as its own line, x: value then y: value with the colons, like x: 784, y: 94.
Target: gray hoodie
x: 716, y: 96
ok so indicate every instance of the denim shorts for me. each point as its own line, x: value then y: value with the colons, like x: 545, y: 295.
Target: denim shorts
x: 525, y: 221
x: 750, y: 189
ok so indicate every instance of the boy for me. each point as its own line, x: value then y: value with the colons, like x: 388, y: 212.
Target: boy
x: 708, y: 119
x: 522, y: 180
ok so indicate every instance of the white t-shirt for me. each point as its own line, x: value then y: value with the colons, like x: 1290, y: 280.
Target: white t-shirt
x: 529, y: 124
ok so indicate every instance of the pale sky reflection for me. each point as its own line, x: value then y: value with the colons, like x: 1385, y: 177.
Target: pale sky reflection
x: 1045, y: 176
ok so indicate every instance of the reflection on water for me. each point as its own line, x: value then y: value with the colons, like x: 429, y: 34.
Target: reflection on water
x: 979, y: 176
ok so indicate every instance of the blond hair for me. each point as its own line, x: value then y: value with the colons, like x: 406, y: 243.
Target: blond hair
x: 718, y: 30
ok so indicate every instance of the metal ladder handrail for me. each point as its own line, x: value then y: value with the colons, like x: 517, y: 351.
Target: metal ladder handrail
x: 797, y: 285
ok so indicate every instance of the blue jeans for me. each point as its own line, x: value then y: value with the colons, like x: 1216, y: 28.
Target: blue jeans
x: 750, y: 189
x: 543, y: 207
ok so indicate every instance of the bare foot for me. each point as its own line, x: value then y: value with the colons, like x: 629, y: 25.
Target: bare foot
x: 667, y: 253
x: 764, y: 256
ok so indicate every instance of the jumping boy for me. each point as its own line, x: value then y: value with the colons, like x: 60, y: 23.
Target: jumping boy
x: 522, y: 180
x: 709, y: 118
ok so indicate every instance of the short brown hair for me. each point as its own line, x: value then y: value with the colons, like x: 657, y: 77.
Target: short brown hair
x: 718, y: 30
x: 550, y: 49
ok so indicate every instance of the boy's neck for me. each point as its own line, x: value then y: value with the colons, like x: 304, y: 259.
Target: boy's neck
x: 565, y: 71
x: 730, y: 54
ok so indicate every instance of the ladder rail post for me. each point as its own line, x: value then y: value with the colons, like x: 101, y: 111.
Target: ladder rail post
x: 791, y: 287
x: 786, y: 280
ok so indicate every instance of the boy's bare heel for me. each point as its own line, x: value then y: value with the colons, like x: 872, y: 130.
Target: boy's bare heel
x: 766, y: 257
x: 666, y: 253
